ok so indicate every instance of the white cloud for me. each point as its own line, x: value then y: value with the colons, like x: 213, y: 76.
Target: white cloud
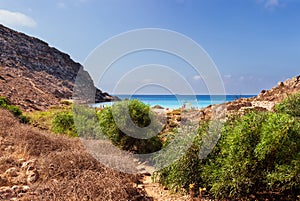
x: 197, y: 77
x: 227, y: 76
x: 9, y: 18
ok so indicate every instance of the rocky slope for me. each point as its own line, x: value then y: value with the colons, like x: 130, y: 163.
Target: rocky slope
x: 262, y: 102
x: 34, y: 75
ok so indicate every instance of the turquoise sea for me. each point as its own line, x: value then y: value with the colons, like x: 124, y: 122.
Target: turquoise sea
x: 178, y: 101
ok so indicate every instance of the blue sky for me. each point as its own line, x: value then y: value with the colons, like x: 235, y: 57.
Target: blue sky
x: 254, y: 43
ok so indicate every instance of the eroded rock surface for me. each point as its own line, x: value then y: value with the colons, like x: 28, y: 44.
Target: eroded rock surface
x: 34, y: 75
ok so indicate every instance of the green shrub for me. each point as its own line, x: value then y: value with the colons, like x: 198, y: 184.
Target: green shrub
x: 238, y: 171
x: 286, y: 177
x: 15, y: 110
x: 3, y: 102
x: 75, y: 120
x: 119, y: 129
x: 86, y: 121
x: 43, y: 119
x: 279, y: 151
x: 290, y: 105
x: 63, y: 123
x: 258, y: 152
x: 186, y: 170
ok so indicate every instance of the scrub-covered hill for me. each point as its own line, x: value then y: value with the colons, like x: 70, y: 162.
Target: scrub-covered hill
x: 36, y: 165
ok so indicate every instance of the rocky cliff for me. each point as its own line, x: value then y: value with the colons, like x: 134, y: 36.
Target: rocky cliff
x: 36, y: 76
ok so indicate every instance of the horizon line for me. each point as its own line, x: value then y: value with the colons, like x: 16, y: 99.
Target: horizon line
x: 186, y: 94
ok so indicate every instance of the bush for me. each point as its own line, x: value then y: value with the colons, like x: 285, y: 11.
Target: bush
x: 290, y: 106
x: 4, y: 103
x: 258, y: 152
x: 43, y: 119
x: 63, y: 123
x: 86, y: 122
x: 74, y: 120
x: 121, y: 129
x: 186, y: 170
x: 279, y: 151
x: 238, y: 171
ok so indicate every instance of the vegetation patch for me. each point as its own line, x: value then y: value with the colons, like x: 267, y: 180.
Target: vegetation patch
x: 121, y: 128
x: 257, y: 156
x: 4, y: 103
x: 62, y: 168
x: 58, y: 119
x: 83, y: 121
x: 63, y: 123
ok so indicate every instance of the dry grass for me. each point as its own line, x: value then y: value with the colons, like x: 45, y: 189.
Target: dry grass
x: 66, y: 171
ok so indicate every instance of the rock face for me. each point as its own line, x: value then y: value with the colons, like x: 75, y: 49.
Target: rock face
x: 281, y: 91
x: 34, y: 75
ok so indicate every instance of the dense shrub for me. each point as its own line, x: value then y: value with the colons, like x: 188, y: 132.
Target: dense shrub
x: 120, y: 128
x: 63, y: 123
x: 291, y: 105
x: 4, y: 103
x: 258, y: 152
x: 279, y: 151
x: 86, y: 122
x: 186, y: 169
x: 235, y: 169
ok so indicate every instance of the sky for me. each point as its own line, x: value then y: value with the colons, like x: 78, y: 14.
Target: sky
x: 254, y: 44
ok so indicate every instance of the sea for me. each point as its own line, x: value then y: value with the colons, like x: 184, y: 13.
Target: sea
x: 178, y: 101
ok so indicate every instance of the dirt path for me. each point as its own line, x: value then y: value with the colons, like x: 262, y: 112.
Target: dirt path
x: 158, y: 192
x: 120, y: 160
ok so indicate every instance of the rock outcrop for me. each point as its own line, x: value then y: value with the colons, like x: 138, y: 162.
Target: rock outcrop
x: 36, y: 76
x: 265, y: 101
x: 281, y: 91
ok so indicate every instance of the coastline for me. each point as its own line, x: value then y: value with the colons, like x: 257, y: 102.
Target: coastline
x: 171, y: 102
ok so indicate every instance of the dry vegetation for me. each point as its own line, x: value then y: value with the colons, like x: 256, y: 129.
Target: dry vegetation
x: 35, y: 165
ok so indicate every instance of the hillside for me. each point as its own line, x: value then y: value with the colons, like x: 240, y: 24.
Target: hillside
x: 268, y: 98
x: 36, y: 165
x: 34, y: 75
x: 264, y: 101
